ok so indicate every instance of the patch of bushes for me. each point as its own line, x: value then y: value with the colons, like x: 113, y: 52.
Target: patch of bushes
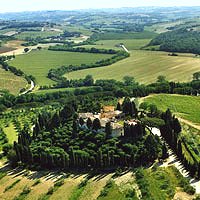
x: 2, y: 174
x: 51, y: 190
x: 23, y: 194
x: 105, y: 190
x: 78, y: 191
x: 38, y: 181
x: 12, y: 185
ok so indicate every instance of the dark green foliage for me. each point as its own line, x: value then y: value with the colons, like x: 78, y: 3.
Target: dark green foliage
x: 96, y: 124
x: 181, y: 40
x: 129, y: 108
x: 89, y: 123
x: 108, y: 130
x: 6, y: 148
x: 69, y: 146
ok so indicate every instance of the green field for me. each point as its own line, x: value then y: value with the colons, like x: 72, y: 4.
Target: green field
x: 146, y: 66
x: 38, y: 63
x: 11, y: 133
x: 162, y: 27
x: 10, y: 82
x: 124, y: 36
x: 131, y: 44
x: 57, y: 90
x: 186, y: 107
x: 35, y: 34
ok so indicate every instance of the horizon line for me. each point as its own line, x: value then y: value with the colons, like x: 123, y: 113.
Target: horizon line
x: 85, y: 9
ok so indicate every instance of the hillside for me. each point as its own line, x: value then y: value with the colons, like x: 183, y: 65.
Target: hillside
x: 145, y: 67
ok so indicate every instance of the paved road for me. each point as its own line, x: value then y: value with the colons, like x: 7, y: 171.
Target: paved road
x: 30, y: 89
x: 125, y: 49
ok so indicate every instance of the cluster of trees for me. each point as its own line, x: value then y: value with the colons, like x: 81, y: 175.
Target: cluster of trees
x: 181, y: 40
x: 82, y: 49
x: 25, y: 24
x: 128, y: 108
x: 170, y: 131
x: 119, y: 26
x: 71, y: 34
x: 134, y: 131
x: 58, y: 141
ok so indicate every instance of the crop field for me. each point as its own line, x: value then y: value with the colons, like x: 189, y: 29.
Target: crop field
x: 39, y: 92
x: 5, y: 49
x: 131, y: 44
x: 145, y: 67
x: 123, y: 36
x: 186, y: 107
x: 38, y: 63
x: 35, y: 34
x: 162, y: 27
x: 102, y: 186
x: 10, y: 82
x: 77, y: 28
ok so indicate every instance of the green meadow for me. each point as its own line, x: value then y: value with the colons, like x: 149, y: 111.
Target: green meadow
x: 186, y: 107
x: 145, y: 67
x: 38, y: 63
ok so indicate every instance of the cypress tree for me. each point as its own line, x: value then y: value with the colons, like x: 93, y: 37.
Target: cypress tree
x: 89, y: 123
x: 177, y: 126
x: 108, y: 130
x: 96, y: 124
x: 119, y: 107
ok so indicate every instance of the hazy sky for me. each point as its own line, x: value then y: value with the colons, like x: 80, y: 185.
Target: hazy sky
x: 27, y: 5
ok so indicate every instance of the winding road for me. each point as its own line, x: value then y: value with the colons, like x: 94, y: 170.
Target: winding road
x: 29, y: 90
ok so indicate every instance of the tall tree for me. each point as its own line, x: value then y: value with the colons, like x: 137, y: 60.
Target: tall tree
x: 108, y: 129
x: 89, y: 123
x: 96, y: 124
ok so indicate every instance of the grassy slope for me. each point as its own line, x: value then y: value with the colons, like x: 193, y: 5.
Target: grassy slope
x: 11, y: 82
x: 94, y: 187
x: 35, y: 34
x: 38, y: 63
x: 162, y: 182
x: 11, y: 133
x: 131, y: 44
x: 186, y: 107
x: 146, y: 66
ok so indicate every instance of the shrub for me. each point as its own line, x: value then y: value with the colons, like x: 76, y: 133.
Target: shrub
x: 59, y: 183
x: 12, y: 185
x: 38, y: 181
x: 50, y: 191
